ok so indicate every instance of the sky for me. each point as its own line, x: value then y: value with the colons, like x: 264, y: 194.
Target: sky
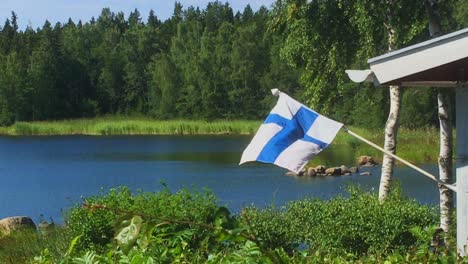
x: 35, y: 12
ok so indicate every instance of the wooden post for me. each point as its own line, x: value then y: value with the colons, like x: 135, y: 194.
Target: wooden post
x: 462, y: 169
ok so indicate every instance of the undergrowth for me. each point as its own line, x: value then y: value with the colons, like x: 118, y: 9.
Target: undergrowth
x: 190, y: 227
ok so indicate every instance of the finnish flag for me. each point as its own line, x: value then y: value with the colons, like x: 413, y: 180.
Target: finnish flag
x: 291, y: 135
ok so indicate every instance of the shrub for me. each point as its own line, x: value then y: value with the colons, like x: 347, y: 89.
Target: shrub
x: 358, y: 224
x: 97, y: 220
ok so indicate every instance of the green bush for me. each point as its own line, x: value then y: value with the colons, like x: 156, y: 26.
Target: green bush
x: 357, y: 224
x: 98, y: 219
x: 184, y: 227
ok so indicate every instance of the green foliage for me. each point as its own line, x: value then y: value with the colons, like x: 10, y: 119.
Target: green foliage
x: 419, y: 108
x: 11, y: 84
x: 328, y: 37
x: 186, y: 227
x: 361, y: 105
x: 247, y: 253
x: 358, y: 224
x: 461, y: 9
x: 127, y: 237
x: 198, y: 63
x: 211, y: 63
x: 96, y: 222
x: 96, y: 227
x: 22, y: 246
x: 164, y: 87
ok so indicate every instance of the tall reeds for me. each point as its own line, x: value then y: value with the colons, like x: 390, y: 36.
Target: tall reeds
x: 140, y: 126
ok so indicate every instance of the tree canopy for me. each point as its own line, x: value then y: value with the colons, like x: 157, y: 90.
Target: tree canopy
x: 211, y: 63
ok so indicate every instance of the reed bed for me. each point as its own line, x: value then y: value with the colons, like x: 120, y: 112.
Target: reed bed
x: 414, y: 145
x: 121, y: 126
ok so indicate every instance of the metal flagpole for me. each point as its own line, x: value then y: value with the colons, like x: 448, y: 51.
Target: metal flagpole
x: 425, y: 173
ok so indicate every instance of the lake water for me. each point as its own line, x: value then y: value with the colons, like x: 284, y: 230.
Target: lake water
x: 41, y: 176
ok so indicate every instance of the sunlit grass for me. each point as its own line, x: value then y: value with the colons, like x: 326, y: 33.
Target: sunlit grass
x: 414, y: 145
x: 22, y: 246
x: 133, y: 126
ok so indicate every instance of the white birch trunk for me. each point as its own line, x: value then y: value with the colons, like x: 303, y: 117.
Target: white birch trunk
x: 391, y: 130
x: 391, y: 127
x: 445, y: 161
x: 446, y: 138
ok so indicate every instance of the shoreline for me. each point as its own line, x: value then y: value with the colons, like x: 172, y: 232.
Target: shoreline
x: 418, y: 146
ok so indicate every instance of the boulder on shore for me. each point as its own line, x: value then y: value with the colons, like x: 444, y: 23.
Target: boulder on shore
x: 366, y: 161
x: 344, y: 169
x: 320, y: 169
x: 9, y: 224
x: 333, y: 171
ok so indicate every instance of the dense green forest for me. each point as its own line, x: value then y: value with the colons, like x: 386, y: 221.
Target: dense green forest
x: 210, y: 63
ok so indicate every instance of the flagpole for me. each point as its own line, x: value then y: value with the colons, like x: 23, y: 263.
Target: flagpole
x: 425, y: 173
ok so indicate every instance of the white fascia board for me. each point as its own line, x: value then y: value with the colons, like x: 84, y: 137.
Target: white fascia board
x: 420, y: 58
x: 360, y: 75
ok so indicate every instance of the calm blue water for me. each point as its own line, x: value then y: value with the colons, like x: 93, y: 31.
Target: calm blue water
x: 45, y: 175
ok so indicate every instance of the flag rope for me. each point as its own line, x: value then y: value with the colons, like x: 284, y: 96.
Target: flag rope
x: 425, y: 173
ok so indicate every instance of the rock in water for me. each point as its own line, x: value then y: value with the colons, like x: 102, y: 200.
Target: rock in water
x: 333, y: 171
x: 320, y: 169
x: 15, y: 223
x: 311, y: 172
x: 344, y: 169
x: 366, y: 161
x: 302, y: 172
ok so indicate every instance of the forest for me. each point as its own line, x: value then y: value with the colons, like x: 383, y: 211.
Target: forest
x: 213, y: 63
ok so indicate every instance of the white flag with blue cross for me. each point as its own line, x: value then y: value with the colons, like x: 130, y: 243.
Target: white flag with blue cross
x: 291, y: 135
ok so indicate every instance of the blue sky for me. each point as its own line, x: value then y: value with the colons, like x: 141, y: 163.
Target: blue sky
x: 35, y: 12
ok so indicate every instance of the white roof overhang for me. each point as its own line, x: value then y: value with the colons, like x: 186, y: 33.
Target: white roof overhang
x: 441, y: 62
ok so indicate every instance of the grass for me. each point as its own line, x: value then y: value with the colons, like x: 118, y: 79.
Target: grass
x: 133, y: 126
x: 22, y: 246
x: 419, y: 146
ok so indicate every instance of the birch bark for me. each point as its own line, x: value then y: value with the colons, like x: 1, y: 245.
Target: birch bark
x: 391, y: 127
x: 445, y: 161
x: 446, y: 136
x: 391, y: 130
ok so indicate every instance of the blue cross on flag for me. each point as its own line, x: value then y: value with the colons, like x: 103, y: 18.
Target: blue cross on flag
x: 291, y: 135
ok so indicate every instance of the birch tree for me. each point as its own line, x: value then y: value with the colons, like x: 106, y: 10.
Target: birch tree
x: 402, y: 21
x: 391, y: 130
x: 446, y: 138
x: 391, y: 126
x: 327, y: 37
